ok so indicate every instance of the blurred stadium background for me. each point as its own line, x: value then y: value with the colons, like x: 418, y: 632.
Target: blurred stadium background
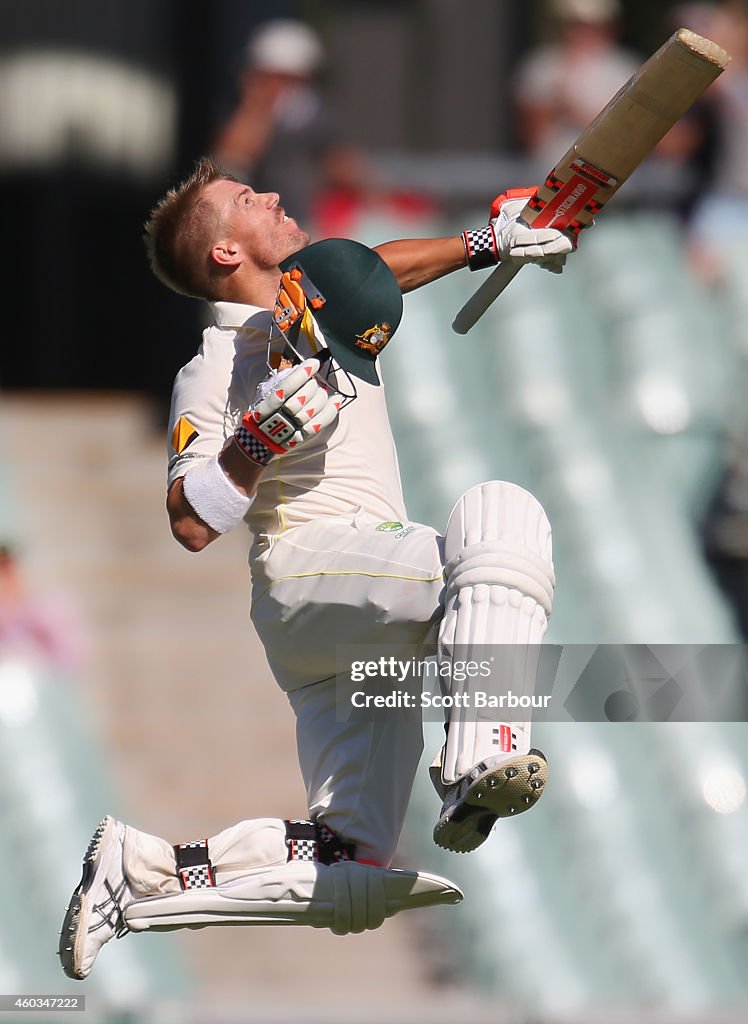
x: 616, y: 394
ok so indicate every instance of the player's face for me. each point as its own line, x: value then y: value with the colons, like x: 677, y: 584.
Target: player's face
x: 257, y: 222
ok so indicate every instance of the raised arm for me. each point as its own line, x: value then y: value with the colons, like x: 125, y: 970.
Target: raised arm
x: 505, y: 238
x: 418, y: 261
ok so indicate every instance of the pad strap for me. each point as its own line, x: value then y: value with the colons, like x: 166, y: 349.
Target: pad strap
x: 310, y: 840
x: 194, y: 869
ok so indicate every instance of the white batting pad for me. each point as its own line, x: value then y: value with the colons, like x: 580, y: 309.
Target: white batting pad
x: 250, y: 845
x: 149, y: 864
x: 247, y: 846
x: 500, y: 580
x: 345, y: 897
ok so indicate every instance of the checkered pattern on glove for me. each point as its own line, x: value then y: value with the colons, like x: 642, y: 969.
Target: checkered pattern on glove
x: 480, y: 247
x: 292, y: 408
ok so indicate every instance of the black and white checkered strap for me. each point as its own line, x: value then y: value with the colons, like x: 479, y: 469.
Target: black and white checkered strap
x: 252, y: 446
x: 194, y: 869
x: 480, y: 247
x: 308, y: 840
x: 261, y: 441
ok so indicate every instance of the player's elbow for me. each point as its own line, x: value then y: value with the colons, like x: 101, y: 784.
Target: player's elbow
x: 193, y: 537
x: 186, y: 526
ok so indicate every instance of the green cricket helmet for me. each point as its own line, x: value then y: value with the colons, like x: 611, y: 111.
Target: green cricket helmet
x: 352, y: 296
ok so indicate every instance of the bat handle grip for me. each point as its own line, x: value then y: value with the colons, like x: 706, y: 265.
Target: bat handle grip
x: 479, y: 302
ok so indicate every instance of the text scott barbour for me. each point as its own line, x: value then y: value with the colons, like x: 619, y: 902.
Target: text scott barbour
x: 477, y: 699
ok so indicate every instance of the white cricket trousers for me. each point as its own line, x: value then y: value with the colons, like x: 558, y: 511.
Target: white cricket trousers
x: 354, y: 581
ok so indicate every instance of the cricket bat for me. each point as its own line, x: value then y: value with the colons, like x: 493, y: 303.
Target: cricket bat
x: 611, y: 148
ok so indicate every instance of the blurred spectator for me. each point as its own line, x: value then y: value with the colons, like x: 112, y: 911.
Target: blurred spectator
x: 560, y: 87
x: 726, y: 533
x: 281, y: 136
x: 717, y: 247
x: 720, y: 217
x: 32, y: 625
x: 689, y: 148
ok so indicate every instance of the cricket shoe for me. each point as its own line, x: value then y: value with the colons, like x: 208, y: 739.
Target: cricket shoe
x: 96, y: 910
x: 491, y: 790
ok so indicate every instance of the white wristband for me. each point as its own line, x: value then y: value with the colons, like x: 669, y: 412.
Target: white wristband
x: 212, y: 495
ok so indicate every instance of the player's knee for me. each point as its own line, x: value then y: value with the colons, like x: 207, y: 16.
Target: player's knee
x: 501, y: 507
x: 499, y: 534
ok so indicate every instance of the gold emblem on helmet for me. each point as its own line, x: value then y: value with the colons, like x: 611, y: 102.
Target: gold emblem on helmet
x: 374, y: 339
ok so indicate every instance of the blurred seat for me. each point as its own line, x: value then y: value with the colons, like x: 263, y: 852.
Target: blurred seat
x: 671, y: 365
x: 55, y: 787
x: 56, y: 784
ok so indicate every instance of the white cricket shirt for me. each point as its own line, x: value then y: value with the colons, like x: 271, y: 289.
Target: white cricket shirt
x: 350, y: 465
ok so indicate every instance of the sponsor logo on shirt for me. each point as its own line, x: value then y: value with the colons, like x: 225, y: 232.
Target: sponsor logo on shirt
x: 183, y: 435
x: 396, y: 528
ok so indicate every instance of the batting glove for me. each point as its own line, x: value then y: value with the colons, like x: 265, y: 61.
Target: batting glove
x: 291, y: 408
x: 546, y: 247
x: 507, y: 238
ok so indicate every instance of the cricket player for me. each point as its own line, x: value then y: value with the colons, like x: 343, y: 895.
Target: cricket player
x: 279, y: 422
